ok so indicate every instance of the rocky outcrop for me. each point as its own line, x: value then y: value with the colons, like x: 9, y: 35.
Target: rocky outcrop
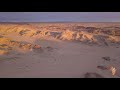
x: 92, y: 75
x: 36, y: 47
x: 7, y: 45
x: 86, y: 34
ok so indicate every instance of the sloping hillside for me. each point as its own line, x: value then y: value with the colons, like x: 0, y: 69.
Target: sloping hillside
x: 101, y: 36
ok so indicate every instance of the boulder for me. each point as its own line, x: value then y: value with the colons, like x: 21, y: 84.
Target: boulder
x: 36, y: 47
x: 106, y: 58
x: 92, y: 75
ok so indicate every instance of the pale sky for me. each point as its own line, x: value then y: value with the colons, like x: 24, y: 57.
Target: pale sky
x: 59, y: 16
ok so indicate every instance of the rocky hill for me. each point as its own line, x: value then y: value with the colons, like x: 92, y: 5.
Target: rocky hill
x: 109, y: 35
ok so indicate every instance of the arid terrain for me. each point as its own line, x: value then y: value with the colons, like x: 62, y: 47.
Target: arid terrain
x: 60, y: 50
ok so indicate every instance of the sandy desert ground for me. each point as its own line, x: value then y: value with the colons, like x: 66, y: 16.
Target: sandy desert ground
x: 59, y: 50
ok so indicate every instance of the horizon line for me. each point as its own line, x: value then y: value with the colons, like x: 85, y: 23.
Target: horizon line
x: 59, y: 22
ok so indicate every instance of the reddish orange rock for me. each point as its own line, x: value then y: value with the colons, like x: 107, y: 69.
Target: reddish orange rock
x: 37, y: 47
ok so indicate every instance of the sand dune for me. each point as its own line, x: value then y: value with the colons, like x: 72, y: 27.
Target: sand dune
x: 78, y: 50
